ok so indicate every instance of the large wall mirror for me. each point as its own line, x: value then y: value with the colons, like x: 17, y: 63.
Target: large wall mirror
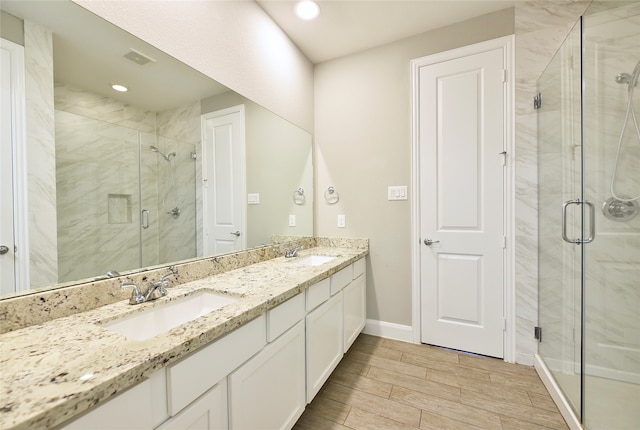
x: 96, y: 181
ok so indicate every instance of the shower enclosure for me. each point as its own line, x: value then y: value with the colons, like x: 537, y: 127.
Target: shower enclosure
x: 589, y: 227
x: 125, y: 198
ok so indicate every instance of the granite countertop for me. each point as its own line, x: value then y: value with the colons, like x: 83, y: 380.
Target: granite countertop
x: 54, y: 371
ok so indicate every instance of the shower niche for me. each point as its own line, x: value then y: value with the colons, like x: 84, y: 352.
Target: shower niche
x: 589, y: 234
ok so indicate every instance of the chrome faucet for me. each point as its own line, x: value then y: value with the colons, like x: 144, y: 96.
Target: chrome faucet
x: 155, y: 290
x: 293, y: 252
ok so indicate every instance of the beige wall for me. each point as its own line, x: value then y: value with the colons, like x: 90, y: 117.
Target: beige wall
x: 233, y: 42
x: 363, y: 136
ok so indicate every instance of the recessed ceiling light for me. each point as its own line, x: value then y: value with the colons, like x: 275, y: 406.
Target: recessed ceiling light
x: 120, y: 88
x: 307, y: 10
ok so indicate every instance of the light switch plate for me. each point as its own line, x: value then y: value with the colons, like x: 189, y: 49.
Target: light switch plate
x: 342, y: 222
x: 292, y: 220
x: 398, y: 192
x: 253, y: 199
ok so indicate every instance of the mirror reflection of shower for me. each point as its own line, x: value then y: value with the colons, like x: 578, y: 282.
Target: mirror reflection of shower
x: 175, y: 211
x: 625, y: 207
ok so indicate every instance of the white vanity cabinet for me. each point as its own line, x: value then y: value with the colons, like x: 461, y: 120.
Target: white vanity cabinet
x: 333, y: 325
x: 324, y: 343
x: 268, y: 392
x: 354, y: 297
x: 260, y: 376
x: 209, y: 412
x: 131, y: 409
x: 196, y: 374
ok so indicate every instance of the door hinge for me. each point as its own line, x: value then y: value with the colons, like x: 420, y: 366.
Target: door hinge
x: 537, y: 101
x: 504, y: 75
x: 504, y: 324
x: 504, y: 242
x: 537, y: 333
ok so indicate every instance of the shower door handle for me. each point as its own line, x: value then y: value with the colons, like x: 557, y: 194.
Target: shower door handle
x: 144, y: 218
x: 592, y: 221
x: 564, y: 220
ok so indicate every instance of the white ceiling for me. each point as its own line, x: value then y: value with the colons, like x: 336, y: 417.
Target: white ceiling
x: 345, y: 27
x: 88, y: 53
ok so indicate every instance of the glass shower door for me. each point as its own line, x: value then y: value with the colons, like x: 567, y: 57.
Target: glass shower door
x: 559, y: 179
x: 97, y: 193
x: 611, y: 60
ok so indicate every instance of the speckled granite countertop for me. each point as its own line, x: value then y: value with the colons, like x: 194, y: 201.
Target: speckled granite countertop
x: 53, y: 371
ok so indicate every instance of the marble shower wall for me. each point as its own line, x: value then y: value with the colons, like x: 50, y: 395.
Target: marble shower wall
x: 99, y: 184
x: 41, y: 174
x: 98, y: 203
x: 179, y: 131
x: 541, y: 27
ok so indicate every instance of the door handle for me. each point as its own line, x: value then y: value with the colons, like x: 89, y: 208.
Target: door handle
x: 430, y: 242
x: 3, y: 249
x: 145, y: 218
x: 564, y: 220
x: 236, y: 233
x: 592, y: 225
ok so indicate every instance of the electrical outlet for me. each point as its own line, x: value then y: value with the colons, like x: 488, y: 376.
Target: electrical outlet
x: 292, y: 220
x: 342, y: 223
x: 253, y: 199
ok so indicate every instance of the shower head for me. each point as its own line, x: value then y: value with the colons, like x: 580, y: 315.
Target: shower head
x: 166, y: 157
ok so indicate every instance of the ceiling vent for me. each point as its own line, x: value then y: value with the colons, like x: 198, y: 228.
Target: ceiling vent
x: 138, y: 57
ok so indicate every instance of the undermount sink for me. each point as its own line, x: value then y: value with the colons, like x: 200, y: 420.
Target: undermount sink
x: 314, y: 260
x: 163, y: 317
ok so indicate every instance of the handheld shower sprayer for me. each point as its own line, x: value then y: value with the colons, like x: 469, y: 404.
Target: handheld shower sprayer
x: 620, y: 207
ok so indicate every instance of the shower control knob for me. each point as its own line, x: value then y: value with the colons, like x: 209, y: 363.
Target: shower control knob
x: 430, y: 242
x: 3, y: 249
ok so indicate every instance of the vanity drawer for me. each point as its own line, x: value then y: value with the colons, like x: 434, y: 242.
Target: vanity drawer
x: 341, y: 279
x: 359, y: 267
x: 283, y: 316
x: 196, y: 374
x: 318, y: 293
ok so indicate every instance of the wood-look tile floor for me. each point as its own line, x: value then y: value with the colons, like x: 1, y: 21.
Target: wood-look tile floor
x: 387, y: 384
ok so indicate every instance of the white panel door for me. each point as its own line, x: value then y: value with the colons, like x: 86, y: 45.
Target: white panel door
x: 461, y: 139
x: 7, y: 256
x: 223, y: 177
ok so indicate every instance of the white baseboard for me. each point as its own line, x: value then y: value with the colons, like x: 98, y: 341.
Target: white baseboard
x: 389, y: 330
x: 556, y: 394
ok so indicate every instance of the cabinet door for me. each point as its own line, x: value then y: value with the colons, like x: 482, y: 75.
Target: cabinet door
x: 196, y: 374
x: 209, y: 412
x: 354, y: 310
x: 268, y: 392
x: 129, y: 410
x: 324, y: 343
